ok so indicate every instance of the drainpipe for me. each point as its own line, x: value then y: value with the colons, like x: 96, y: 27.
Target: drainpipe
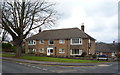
x: 55, y: 51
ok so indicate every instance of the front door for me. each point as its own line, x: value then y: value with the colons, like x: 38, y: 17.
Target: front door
x: 49, y: 51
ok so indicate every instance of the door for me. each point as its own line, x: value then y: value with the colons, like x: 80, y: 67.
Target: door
x: 49, y: 51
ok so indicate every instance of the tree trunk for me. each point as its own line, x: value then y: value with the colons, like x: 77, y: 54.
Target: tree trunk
x: 18, y: 50
x: 18, y: 43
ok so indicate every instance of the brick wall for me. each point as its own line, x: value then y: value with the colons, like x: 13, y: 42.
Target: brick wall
x: 85, y: 45
x: 56, y: 47
x: 92, y: 48
x: 66, y: 46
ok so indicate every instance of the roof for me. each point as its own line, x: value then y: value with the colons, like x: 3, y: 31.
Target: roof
x: 103, y: 47
x: 60, y: 34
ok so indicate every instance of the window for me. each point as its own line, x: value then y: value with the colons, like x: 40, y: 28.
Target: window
x: 113, y: 53
x: 100, y: 53
x: 31, y: 50
x: 41, y: 41
x: 75, y: 41
x: 89, y: 43
x: 41, y: 50
x: 61, y: 50
x: 32, y: 42
x: 76, y: 52
x: 61, y: 41
x: 51, y: 42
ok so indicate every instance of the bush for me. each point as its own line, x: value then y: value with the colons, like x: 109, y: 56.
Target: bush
x: 117, y: 55
x: 7, y: 47
x: 94, y: 56
x: 84, y: 54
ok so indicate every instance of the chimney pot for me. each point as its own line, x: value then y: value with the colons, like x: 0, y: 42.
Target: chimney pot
x: 113, y: 42
x: 40, y: 30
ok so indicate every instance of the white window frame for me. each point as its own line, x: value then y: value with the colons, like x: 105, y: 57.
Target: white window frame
x: 80, y: 39
x: 60, y: 50
x: 77, y: 54
x: 61, y: 41
x: 41, y: 42
x: 33, y: 42
x: 34, y: 50
x: 89, y: 43
x: 49, y: 42
x: 42, y: 50
x: 113, y: 53
x: 101, y: 53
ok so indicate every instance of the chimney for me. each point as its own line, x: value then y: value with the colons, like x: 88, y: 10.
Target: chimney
x: 82, y: 27
x: 113, y: 42
x: 40, y: 30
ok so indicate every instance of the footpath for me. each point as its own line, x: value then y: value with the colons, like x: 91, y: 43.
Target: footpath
x: 51, y: 63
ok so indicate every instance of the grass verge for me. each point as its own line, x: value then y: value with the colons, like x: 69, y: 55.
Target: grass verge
x: 7, y: 55
x: 52, y: 59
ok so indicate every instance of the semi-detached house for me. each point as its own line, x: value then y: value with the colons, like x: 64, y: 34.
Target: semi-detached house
x: 61, y: 42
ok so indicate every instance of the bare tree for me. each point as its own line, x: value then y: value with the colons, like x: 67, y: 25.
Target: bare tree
x: 4, y: 35
x: 19, y: 18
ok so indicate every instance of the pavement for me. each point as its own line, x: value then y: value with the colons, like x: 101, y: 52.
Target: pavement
x: 56, y: 63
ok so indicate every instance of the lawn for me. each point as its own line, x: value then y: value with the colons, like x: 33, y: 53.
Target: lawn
x: 7, y: 55
x: 52, y: 59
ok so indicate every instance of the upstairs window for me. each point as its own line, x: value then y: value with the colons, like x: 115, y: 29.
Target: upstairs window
x: 32, y: 42
x: 51, y: 42
x: 76, y: 41
x: 41, y: 41
x: 61, y: 41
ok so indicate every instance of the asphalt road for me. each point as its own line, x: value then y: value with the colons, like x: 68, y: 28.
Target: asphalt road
x: 19, y: 67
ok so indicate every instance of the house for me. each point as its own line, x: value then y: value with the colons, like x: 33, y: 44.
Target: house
x: 61, y: 42
x: 106, y: 49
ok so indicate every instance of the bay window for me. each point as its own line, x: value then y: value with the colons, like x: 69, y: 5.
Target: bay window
x: 76, y: 52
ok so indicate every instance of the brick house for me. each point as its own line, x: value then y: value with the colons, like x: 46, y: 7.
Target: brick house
x: 106, y: 49
x: 61, y: 42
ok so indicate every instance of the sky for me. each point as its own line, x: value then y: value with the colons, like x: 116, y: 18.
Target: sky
x: 100, y: 17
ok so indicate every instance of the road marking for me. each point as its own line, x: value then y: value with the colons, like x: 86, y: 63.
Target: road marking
x: 20, y: 63
x: 38, y: 67
x: 45, y: 69
x: 34, y: 66
x: 104, y: 65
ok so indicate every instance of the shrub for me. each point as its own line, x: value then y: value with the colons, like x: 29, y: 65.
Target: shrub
x: 117, y: 55
x: 94, y: 56
x: 7, y: 47
x: 84, y: 54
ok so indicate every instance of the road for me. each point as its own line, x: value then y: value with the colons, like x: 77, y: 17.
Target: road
x: 19, y: 67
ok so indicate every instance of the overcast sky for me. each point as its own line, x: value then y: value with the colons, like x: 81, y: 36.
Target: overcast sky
x: 100, y: 17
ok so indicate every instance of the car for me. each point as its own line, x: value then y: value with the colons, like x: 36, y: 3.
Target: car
x: 102, y: 57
